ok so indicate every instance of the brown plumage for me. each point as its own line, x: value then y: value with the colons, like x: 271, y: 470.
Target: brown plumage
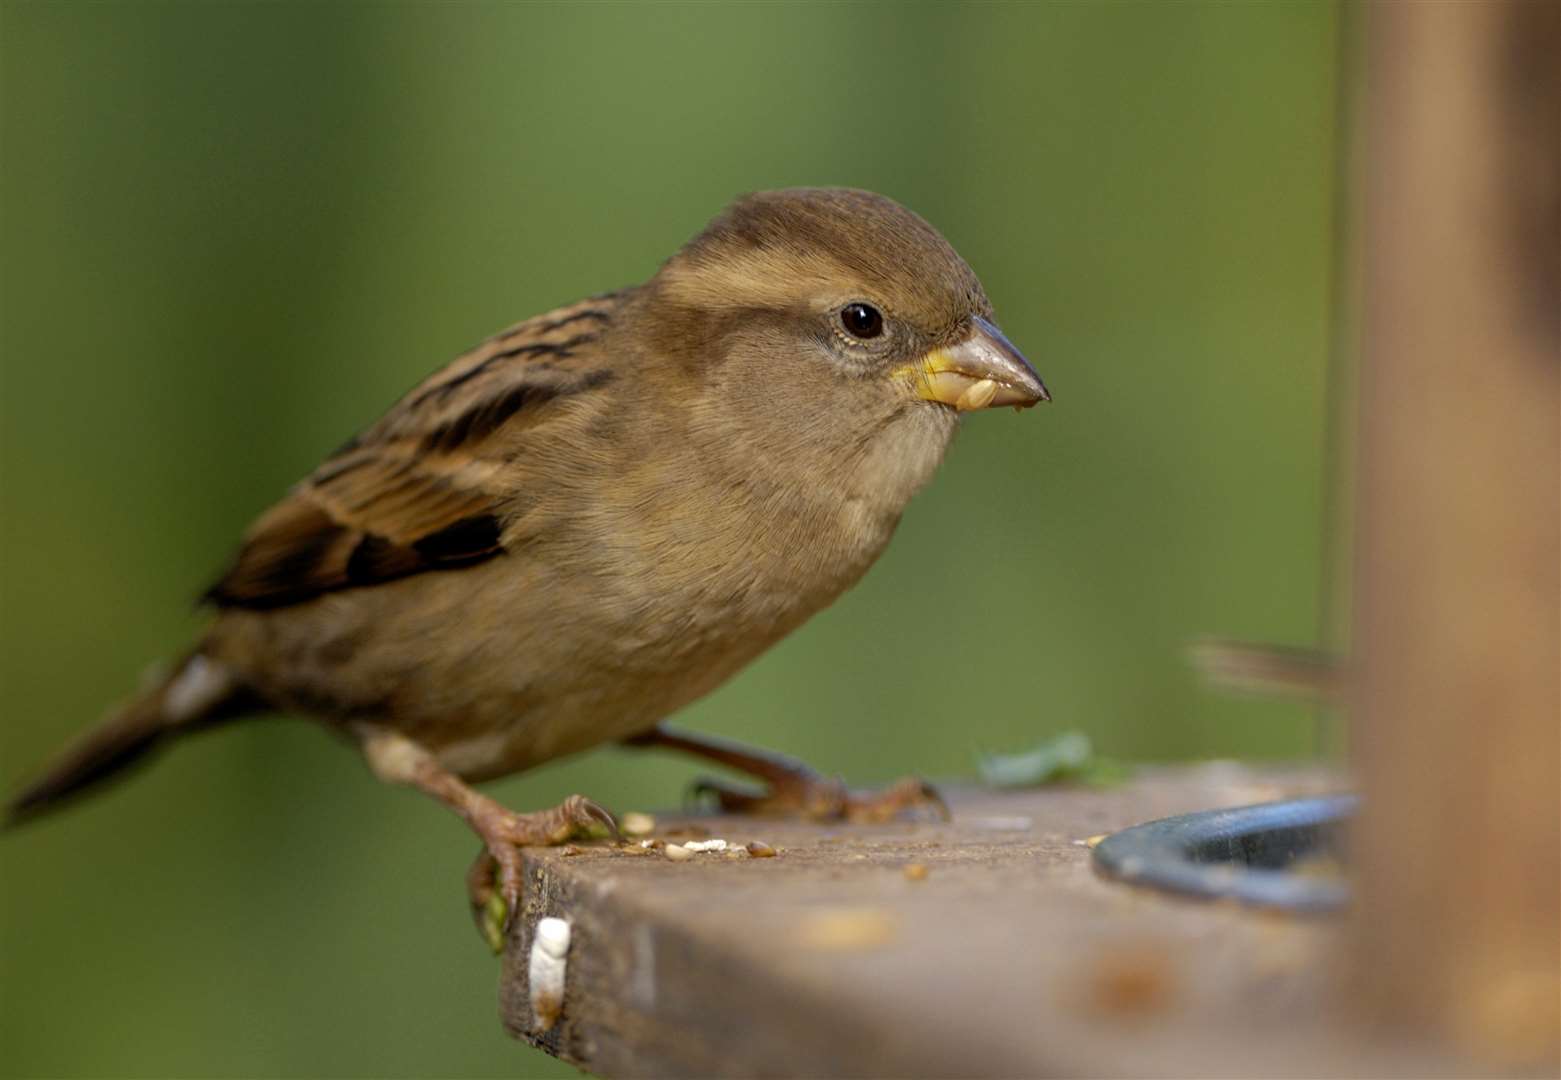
x: 599, y: 515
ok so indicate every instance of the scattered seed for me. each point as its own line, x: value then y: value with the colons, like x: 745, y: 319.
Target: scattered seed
x: 916, y: 871
x: 706, y: 845
x: 677, y: 852
x: 760, y: 850
x: 635, y: 823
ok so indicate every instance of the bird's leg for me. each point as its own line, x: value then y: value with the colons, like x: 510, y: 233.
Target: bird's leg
x: 792, y: 786
x: 494, y: 880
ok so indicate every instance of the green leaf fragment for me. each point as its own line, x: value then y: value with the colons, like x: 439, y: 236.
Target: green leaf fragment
x: 1068, y: 756
x: 493, y: 920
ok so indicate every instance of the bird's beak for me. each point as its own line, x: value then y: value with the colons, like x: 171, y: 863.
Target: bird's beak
x: 981, y: 372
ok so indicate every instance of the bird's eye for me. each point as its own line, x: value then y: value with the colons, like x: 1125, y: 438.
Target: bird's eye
x: 861, y: 320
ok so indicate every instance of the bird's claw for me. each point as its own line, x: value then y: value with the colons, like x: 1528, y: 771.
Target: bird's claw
x: 493, y: 883
x: 586, y: 816
x: 909, y: 793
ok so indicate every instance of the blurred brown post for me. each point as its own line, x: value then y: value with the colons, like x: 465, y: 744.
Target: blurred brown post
x: 1457, y: 729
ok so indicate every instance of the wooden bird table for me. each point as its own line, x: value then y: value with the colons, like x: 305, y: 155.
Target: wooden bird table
x: 982, y: 947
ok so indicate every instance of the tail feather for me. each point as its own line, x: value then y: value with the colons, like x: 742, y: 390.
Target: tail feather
x: 197, y: 693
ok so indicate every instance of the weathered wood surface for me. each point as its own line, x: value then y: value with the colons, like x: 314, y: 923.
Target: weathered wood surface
x: 1008, y: 958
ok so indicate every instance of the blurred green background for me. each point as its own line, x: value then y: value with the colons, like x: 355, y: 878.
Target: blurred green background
x: 233, y: 233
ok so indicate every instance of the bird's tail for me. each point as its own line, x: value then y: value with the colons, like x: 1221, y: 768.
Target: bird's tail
x: 196, y: 693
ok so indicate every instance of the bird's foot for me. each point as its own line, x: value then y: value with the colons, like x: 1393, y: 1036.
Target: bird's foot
x: 820, y: 798
x: 791, y: 786
x: 494, y: 881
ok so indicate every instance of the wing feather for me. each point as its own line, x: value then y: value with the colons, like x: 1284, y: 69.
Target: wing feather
x: 418, y: 490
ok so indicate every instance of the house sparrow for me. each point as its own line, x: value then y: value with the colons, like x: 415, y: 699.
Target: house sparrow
x: 596, y: 517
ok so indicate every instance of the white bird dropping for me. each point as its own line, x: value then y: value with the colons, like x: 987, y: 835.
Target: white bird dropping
x: 549, y: 955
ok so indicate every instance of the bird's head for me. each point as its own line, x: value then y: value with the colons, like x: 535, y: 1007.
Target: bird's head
x: 835, y: 323
x: 840, y: 286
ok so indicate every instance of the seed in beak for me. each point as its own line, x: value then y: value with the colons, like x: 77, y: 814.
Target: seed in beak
x: 978, y: 395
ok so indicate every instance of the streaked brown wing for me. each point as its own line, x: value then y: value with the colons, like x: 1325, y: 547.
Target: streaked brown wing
x: 419, y: 490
